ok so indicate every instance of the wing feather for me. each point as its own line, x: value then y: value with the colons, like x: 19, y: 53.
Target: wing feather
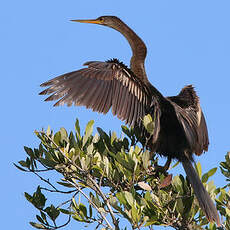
x: 203, y: 140
x: 122, y: 102
x: 135, y: 111
x: 89, y: 90
x: 59, y: 78
x: 131, y: 111
x: 123, y: 109
x: 100, y: 86
x: 96, y: 98
x: 191, y: 117
x: 116, y: 94
x: 108, y: 101
x: 102, y: 96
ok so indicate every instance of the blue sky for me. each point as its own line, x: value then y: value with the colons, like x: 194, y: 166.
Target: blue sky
x: 188, y: 43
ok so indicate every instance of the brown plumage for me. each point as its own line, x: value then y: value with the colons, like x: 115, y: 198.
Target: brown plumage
x: 180, y: 127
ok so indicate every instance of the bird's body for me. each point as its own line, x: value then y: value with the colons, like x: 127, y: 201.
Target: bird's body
x: 180, y: 127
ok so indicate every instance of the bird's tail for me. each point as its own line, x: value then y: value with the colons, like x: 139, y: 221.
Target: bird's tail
x: 202, y: 195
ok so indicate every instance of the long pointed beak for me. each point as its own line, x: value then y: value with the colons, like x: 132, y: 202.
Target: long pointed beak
x: 94, y: 21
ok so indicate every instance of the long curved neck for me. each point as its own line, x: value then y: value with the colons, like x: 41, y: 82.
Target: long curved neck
x: 139, y: 51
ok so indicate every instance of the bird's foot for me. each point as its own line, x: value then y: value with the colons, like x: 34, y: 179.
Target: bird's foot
x: 163, y: 169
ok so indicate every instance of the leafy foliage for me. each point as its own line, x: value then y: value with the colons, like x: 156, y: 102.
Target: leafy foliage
x: 105, y: 178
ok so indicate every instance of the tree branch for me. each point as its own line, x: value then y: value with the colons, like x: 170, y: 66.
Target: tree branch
x: 115, y: 222
x: 50, y: 184
x: 92, y: 203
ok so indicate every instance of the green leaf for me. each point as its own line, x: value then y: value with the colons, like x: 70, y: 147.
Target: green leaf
x: 144, y: 186
x: 146, y: 159
x: 188, y: 209
x: 20, y: 168
x: 64, y: 135
x: 72, y: 140
x: 77, y: 130
x: 227, y: 211
x: 113, y: 137
x: 43, y: 215
x: 149, y: 124
x: 208, y: 174
x: 96, y: 138
x: 156, y: 199
x: 104, y: 136
x: 121, y: 158
x: 38, y: 226
x: 78, y: 218
x: 48, y: 163
x: 48, y: 131
x: 52, y: 212
x: 129, y: 198
x: 212, y: 226
x: 28, y: 162
x: 36, y: 153
x: 135, y: 215
x: 90, y: 211
x: 210, y: 186
x: 65, y: 211
x: 40, y: 219
x: 180, y: 206
x: 178, y: 184
x: 83, y: 209
x: 57, y: 138
x: 113, y: 201
x: 198, y: 169
x: 90, y: 149
x: 29, y: 151
x: 38, y: 199
x: 212, y: 172
x: 126, y: 130
x: 95, y: 199
x: 28, y: 197
x: 120, y: 196
x: 204, y: 178
x: 177, y: 163
x: 106, y: 164
x: 66, y: 184
x: 151, y: 222
x: 88, y: 131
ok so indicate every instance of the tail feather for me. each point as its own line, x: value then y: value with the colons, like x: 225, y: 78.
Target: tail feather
x: 202, y: 195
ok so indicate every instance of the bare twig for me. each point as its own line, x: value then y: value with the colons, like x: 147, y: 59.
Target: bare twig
x: 67, y: 201
x: 91, y: 202
x: 54, y: 188
x: 41, y: 170
x: 101, y: 178
x: 115, y: 222
x: 100, y: 222
x: 66, y: 192
x: 60, y: 226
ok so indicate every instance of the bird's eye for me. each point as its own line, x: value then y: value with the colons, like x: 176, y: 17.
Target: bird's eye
x: 101, y: 19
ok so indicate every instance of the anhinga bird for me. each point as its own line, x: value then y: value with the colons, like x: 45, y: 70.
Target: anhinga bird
x: 180, y: 127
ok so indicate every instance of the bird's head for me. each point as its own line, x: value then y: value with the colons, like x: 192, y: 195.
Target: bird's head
x: 110, y: 21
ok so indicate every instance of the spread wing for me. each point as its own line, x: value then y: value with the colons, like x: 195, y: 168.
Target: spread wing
x: 188, y: 119
x: 203, y: 140
x: 191, y: 117
x: 195, y: 129
x: 100, y: 86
